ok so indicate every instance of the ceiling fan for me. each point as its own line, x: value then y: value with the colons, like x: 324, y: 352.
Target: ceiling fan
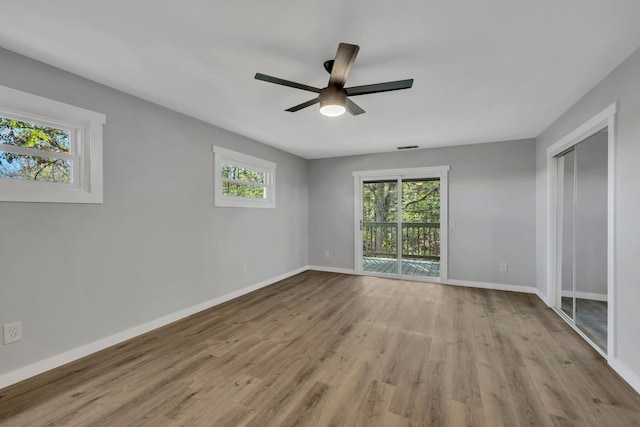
x: 334, y: 99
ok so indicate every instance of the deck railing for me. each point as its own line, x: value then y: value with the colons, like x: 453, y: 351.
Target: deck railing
x: 420, y: 240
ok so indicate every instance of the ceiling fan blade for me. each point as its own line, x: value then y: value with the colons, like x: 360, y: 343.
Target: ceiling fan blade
x: 345, y: 57
x: 353, y: 108
x: 276, y: 80
x: 379, y: 87
x: 303, y: 105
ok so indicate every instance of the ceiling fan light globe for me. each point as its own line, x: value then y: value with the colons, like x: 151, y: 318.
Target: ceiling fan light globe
x: 332, y: 110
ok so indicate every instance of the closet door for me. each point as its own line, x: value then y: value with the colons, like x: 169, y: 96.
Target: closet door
x: 590, y: 256
x: 566, y: 229
x: 582, y: 204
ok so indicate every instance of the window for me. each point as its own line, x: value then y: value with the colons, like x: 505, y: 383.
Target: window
x: 49, y: 151
x: 243, y: 181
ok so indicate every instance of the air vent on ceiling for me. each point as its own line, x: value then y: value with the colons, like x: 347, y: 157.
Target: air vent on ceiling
x: 408, y: 147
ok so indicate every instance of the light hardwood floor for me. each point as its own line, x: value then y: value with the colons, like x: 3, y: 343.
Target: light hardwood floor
x: 324, y: 349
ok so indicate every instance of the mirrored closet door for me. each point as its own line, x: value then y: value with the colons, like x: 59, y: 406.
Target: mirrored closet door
x: 582, y: 237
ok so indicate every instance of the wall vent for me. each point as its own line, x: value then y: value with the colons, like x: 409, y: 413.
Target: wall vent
x: 408, y: 147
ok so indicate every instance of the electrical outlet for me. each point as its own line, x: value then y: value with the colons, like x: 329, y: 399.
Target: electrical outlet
x: 326, y: 253
x: 12, y: 332
x: 244, y: 268
x: 504, y: 267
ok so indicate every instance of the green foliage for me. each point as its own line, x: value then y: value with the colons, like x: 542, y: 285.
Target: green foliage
x: 241, y: 176
x: 379, y: 201
x: 33, y: 167
x: 420, y: 214
x: 242, y: 190
x: 420, y: 201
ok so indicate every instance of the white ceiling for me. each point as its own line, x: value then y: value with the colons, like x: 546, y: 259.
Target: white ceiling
x: 484, y: 70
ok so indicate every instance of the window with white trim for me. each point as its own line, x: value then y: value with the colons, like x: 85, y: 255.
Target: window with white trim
x: 49, y: 151
x: 243, y: 181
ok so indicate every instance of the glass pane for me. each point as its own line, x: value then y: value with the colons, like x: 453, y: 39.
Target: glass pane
x: 566, y: 183
x: 235, y: 189
x: 34, y: 168
x: 421, y: 227
x: 591, y: 238
x: 380, y: 226
x: 242, y: 174
x: 29, y: 135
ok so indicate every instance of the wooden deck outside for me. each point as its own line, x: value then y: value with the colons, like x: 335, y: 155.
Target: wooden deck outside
x: 410, y: 267
x: 420, y: 240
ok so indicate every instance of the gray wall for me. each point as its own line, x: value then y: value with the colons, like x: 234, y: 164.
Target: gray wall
x: 491, y: 197
x: 76, y: 273
x: 622, y: 85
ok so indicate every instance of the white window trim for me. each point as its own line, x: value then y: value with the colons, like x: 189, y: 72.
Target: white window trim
x: 86, y: 133
x: 222, y: 156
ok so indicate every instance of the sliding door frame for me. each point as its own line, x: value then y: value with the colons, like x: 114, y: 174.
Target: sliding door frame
x: 440, y: 172
x: 605, y: 119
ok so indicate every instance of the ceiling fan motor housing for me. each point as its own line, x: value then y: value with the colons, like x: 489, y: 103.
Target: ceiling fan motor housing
x: 332, y: 95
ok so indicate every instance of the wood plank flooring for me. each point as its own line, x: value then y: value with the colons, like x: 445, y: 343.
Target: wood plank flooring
x: 324, y: 349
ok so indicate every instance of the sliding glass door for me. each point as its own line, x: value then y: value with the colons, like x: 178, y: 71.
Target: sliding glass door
x: 380, y: 226
x: 400, y: 227
x: 420, y: 255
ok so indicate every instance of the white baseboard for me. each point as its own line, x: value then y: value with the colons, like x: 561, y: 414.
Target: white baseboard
x: 627, y: 374
x: 494, y: 286
x: 58, y: 360
x: 372, y: 274
x: 332, y: 269
x: 586, y: 295
x: 543, y: 297
x: 467, y: 283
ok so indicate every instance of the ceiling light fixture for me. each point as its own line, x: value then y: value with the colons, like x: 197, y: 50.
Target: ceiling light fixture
x: 332, y: 110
